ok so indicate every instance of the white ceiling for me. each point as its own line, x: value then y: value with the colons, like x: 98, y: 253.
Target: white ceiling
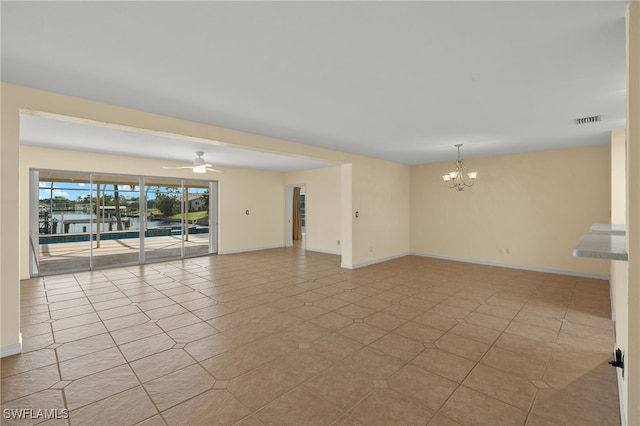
x: 402, y: 81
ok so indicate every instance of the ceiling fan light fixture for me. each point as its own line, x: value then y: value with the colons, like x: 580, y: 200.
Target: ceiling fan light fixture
x: 200, y: 169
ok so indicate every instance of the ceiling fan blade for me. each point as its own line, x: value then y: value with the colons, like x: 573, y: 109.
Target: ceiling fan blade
x: 213, y: 170
x: 179, y: 167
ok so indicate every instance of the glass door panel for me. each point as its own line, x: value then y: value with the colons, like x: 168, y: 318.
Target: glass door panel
x: 163, y: 235
x: 63, y: 218
x: 116, y: 224
x: 196, y: 209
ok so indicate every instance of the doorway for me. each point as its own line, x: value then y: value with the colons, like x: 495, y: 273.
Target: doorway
x: 296, y: 220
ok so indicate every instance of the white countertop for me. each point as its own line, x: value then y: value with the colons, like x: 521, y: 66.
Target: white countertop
x: 602, y: 246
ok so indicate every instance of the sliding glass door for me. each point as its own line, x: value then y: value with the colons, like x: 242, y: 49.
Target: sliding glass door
x: 86, y: 221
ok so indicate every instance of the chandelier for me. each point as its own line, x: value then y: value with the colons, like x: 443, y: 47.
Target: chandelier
x: 456, y: 179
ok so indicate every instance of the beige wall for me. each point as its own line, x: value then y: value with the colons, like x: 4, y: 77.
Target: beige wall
x: 239, y: 190
x: 632, y: 355
x: 381, y: 197
x: 262, y: 194
x: 9, y: 218
x: 322, y: 207
x: 537, y: 205
x: 619, y: 281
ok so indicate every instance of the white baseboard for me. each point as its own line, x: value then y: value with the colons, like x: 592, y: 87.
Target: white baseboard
x: 373, y: 262
x: 317, y: 250
x: 14, y: 349
x: 623, y: 418
x: 244, y: 250
x: 512, y: 266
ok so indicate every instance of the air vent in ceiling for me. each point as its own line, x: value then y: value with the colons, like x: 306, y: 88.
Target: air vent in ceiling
x: 586, y: 120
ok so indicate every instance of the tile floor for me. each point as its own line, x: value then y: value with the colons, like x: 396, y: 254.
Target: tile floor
x: 287, y: 337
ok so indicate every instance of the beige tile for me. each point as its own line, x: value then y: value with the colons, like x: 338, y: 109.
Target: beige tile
x: 35, y: 343
x: 403, y: 312
x: 307, y: 312
x: 335, y: 347
x: 32, y: 381
x: 355, y: 311
x: 488, y: 321
x: 147, y: 346
x: 51, y: 399
x: 341, y: 386
x: 331, y: 303
x: 449, y: 311
x: 192, y: 332
x: 513, y: 390
x: 332, y: 321
x: 287, y: 410
x: 564, y: 408
x: 214, y: 407
x: 462, y: 346
x: 533, y: 332
x: 274, y: 346
x: 80, y: 332
x: 306, y: 331
x: 374, y: 303
x: 233, y: 363
x: 497, y: 311
x: 132, y: 406
x: 118, y: 312
x: 361, y: 332
x: 20, y: 363
x: 179, y: 386
x: 346, y: 421
x: 90, y: 364
x: 99, y: 386
x: 469, y: 407
x: 427, y: 389
x: 435, y: 321
x: 177, y: 321
x: 137, y: 332
x: 529, y: 367
x: 384, y: 321
x: 258, y: 387
x: 161, y: 364
x: 418, y: 332
x: 450, y: 366
x: 120, y: 322
x: 387, y: 407
x: 522, y: 345
x: 398, y: 346
x: 532, y: 318
x: 209, y: 346
x: 475, y: 332
x: 373, y: 363
x: 441, y: 420
x: 85, y: 346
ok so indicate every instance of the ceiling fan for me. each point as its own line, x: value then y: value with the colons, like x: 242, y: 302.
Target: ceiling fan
x: 199, y: 165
